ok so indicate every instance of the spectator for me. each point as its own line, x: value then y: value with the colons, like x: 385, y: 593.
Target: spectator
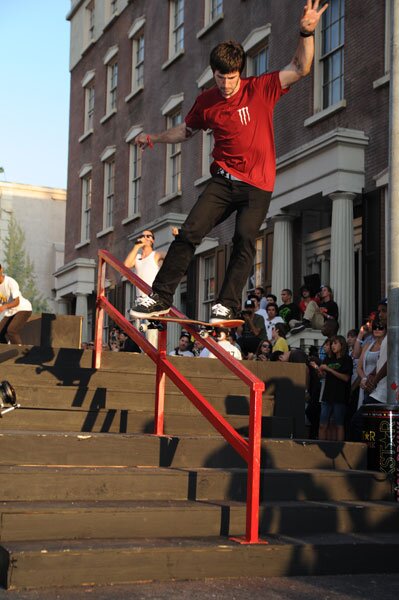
x: 272, y: 319
x: 288, y: 310
x: 197, y: 348
x: 260, y: 294
x: 258, y: 310
x: 338, y: 372
x: 316, y: 314
x: 14, y: 308
x: 182, y: 349
x: 263, y: 351
x: 279, y: 341
x: 372, y: 370
x: 271, y: 298
x: 126, y: 344
x: 253, y: 331
x: 222, y: 339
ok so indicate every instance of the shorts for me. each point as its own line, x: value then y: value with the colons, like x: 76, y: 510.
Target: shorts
x: 338, y: 411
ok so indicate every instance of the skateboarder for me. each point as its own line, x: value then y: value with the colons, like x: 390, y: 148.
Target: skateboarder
x: 240, y: 112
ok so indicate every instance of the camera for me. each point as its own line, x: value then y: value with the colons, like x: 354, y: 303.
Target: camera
x: 8, y: 396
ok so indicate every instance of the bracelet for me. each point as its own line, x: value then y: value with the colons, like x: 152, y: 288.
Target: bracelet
x: 306, y: 33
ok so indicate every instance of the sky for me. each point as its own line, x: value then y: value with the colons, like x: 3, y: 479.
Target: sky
x: 34, y: 96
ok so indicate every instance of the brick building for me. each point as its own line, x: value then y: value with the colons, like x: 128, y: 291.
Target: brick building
x: 139, y: 65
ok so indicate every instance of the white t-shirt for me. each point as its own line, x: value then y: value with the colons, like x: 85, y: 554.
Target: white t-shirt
x: 380, y: 392
x: 181, y: 353
x: 147, y: 269
x: 9, y: 290
x: 270, y: 324
x: 225, y: 344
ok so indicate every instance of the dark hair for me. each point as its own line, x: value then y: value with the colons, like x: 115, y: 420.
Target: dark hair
x: 330, y: 328
x: 281, y: 329
x: 287, y: 290
x: 259, y: 348
x: 227, y: 57
x: 272, y: 304
x: 272, y: 296
x: 303, y: 288
x: 352, y: 333
x: 275, y: 356
x: 342, y: 341
x: 259, y: 287
x: 378, y: 324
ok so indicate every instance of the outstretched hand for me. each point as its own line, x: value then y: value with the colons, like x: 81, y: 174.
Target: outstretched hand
x: 143, y: 141
x: 311, y: 16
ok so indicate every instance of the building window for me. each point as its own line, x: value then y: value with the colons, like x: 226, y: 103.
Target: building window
x: 176, y: 20
x: 208, y: 142
x: 114, y: 7
x: 256, y: 276
x: 86, y: 207
x: 138, y: 62
x: 89, y: 108
x: 260, y: 61
x: 208, y: 285
x: 387, y: 53
x: 112, y: 84
x: 109, y: 192
x: 332, y: 53
x: 90, y: 18
x: 173, y: 157
x: 215, y: 9
x: 134, y: 180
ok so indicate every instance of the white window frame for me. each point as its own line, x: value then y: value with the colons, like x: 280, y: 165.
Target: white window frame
x: 111, y: 64
x: 256, y: 41
x: 387, y: 48
x: 257, y: 271
x: 172, y: 110
x: 108, y: 160
x: 176, y: 28
x: 207, y: 262
x: 136, y: 34
x: 86, y: 180
x: 135, y: 162
x: 213, y: 10
x: 90, y: 21
x: 88, y: 86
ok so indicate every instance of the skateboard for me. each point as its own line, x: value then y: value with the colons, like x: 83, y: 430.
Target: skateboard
x: 204, y: 327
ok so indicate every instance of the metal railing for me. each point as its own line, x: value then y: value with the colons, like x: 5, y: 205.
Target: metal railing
x: 248, y: 449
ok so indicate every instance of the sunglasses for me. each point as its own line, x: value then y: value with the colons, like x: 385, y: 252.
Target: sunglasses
x: 148, y: 235
x: 378, y: 328
x: 266, y: 346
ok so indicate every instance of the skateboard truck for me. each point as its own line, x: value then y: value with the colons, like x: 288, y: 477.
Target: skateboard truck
x: 8, y: 396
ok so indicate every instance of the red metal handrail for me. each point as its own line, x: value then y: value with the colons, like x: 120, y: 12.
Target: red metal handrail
x: 249, y: 449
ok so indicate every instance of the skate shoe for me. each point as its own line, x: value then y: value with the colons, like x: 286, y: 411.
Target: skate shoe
x: 221, y: 313
x: 148, y: 307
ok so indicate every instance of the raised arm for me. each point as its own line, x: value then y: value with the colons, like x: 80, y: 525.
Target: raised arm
x: 302, y: 60
x: 174, y: 135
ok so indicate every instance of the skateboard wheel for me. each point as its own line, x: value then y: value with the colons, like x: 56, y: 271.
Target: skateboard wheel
x: 143, y: 328
x: 204, y: 334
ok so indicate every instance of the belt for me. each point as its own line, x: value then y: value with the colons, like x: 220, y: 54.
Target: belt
x: 226, y: 174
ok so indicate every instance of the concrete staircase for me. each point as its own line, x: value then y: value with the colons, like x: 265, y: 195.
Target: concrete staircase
x: 89, y: 497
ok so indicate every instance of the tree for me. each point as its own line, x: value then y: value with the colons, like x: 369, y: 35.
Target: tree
x: 21, y: 268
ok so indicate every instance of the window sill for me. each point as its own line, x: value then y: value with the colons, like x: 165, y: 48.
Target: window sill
x: 203, y: 179
x: 168, y: 198
x: 104, y: 232
x: 111, y: 21
x: 82, y: 244
x: 172, y: 59
x: 108, y: 116
x: 382, y: 81
x: 87, y: 134
x: 134, y: 93
x: 323, y: 114
x: 208, y: 27
x: 88, y: 46
x: 131, y: 218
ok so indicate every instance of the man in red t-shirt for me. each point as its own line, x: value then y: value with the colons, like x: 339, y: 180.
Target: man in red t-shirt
x: 240, y: 113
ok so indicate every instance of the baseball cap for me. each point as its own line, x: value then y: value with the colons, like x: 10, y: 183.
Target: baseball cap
x: 249, y: 304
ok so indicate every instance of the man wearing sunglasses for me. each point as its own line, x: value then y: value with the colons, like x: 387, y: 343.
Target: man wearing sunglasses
x: 144, y: 259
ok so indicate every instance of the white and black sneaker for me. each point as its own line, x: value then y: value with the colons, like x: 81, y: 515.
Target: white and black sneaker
x: 147, y: 307
x: 221, y: 313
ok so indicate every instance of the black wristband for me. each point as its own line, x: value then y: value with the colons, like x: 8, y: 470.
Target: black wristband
x: 306, y: 33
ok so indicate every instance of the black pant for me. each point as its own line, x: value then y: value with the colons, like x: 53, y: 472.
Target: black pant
x: 218, y: 201
x: 11, y: 326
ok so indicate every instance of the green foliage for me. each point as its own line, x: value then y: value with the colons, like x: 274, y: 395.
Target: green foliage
x: 20, y: 267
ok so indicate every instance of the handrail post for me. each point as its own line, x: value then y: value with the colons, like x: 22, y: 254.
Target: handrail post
x: 253, y: 481
x: 98, y: 329
x: 160, y: 383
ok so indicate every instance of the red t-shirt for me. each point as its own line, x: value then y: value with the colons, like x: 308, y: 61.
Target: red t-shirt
x: 242, y: 127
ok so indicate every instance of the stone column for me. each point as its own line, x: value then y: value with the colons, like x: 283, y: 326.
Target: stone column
x: 62, y: 307
x: 81, y: 309
x: 324, y: 269
x: 282, y: 273
x: 342, y: 265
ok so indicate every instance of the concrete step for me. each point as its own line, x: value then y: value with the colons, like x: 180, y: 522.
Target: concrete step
x: 75, y: 484
x: 128, y: 421
x: 63, y: 397
x: 99, y: 449
x: 71, y: 563
x: 125, y: 519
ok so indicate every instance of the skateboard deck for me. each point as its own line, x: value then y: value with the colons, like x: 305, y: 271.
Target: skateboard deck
x: 156, y: 322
